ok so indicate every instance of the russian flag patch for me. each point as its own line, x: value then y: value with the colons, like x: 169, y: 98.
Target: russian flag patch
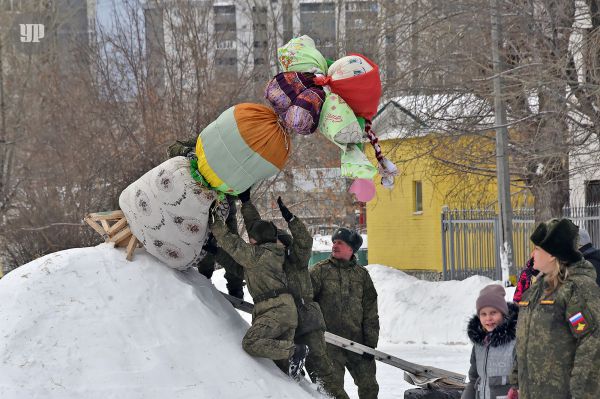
x: 578, y: 322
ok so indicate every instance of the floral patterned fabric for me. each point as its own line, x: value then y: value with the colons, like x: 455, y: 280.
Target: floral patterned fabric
x: 167, y: 210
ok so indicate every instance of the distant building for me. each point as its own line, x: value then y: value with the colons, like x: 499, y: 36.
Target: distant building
x: 67, y: 26
x: 242, y: 39
x: 404, y: 224
x: 244, y: 36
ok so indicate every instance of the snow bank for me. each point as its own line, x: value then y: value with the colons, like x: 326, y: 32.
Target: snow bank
x: 85, y: 323
x: 417, y: 311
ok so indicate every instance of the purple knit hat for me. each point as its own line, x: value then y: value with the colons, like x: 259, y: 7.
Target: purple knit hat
x: 492, y: 295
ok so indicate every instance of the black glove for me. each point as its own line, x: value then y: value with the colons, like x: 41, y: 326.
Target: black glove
x: 244, y: 196
x: 210, y: 245
x: 367, y: 356
x: 285, y: 212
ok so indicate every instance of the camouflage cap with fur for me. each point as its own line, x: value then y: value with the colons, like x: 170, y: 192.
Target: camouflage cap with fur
x: 559, y: 238
x: 263, y: 231
x: 350, y: 237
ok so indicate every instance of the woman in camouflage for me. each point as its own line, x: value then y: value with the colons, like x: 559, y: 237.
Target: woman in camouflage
x: 558, y: 337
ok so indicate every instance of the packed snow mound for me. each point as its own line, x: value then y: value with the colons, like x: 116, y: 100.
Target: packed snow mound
x: 85, y: 323
x: 425, y: 312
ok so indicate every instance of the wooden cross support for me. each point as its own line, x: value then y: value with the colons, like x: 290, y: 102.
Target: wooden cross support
x: 113, y: 227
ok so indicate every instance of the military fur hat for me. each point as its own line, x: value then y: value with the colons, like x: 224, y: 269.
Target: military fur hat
x: 350, y: 237
x: 559, y: 238
x: 263, y: 231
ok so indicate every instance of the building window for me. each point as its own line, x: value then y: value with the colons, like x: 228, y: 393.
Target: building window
x: 592, y: 192
x: 225, y: 44
x: 417, y: 196
x: 224, y: 10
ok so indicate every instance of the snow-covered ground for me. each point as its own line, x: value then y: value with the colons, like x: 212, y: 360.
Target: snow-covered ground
x: 86, y: 323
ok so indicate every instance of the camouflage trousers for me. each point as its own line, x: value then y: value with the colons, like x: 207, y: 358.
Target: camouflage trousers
x: 362, y: 371
x: 271, y: 335
x: 319, y: 366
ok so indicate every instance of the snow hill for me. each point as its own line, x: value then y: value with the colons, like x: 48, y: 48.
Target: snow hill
x: 413, y: 311
x: 85, y: 323
x: 425, y: 312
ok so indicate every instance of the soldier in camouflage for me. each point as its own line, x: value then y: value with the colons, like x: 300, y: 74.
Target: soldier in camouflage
x: 311, y: 326
x: 558, y: 336
x: 274, y: 318
x: 348, y: 299
x: 234, y: 273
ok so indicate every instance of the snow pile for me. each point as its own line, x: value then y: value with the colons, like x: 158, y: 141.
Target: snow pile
x: 85, y: 323
x: 424, y: 312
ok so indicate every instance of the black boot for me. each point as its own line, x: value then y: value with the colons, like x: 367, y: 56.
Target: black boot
x: 297, y: 361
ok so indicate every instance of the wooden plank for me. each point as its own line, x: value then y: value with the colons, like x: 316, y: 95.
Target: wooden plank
x: 123, y: 243
x: 450, y: 377
x: 117, y: 226
x: 108, y: 215
x: 105, y: 225
x: 96, y: 227
x: 121, y: 235
x: 131, y: 246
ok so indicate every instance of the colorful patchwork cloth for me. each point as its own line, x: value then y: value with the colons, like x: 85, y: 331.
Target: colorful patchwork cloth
x: 301, y: 55
x: 338, y: 123
x: 296, y: 100
x: 244, y: 145
x: 167, y: 210
x: 356, y: 79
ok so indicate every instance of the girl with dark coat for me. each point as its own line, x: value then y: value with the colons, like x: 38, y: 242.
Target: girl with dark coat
x: 493, y: 333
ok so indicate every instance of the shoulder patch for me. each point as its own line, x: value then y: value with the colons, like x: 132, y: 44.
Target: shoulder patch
x: 579, y: 324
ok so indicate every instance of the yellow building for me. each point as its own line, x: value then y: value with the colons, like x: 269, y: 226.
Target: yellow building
x: 404, y: 224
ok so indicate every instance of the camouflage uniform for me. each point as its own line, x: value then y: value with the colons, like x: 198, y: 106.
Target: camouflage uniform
x: 274, y: 319
x: 234, y: 273
x: 348, y: 299
x: 558, y: 338
x: 311, y: 325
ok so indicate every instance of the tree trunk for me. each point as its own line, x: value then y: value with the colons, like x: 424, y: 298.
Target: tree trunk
x: 550, y: 197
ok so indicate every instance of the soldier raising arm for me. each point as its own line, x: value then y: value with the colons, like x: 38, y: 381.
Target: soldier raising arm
x: 274, y: 318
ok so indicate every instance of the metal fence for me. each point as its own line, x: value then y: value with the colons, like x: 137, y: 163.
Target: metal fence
x: 471, y: 238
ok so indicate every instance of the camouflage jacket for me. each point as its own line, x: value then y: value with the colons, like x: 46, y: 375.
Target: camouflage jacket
x: 348, y: 299
x: 558, y: 338
x: 295, y: 267
x: 263, y: 264
x: 232, y: 268
x: 297, y: 254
